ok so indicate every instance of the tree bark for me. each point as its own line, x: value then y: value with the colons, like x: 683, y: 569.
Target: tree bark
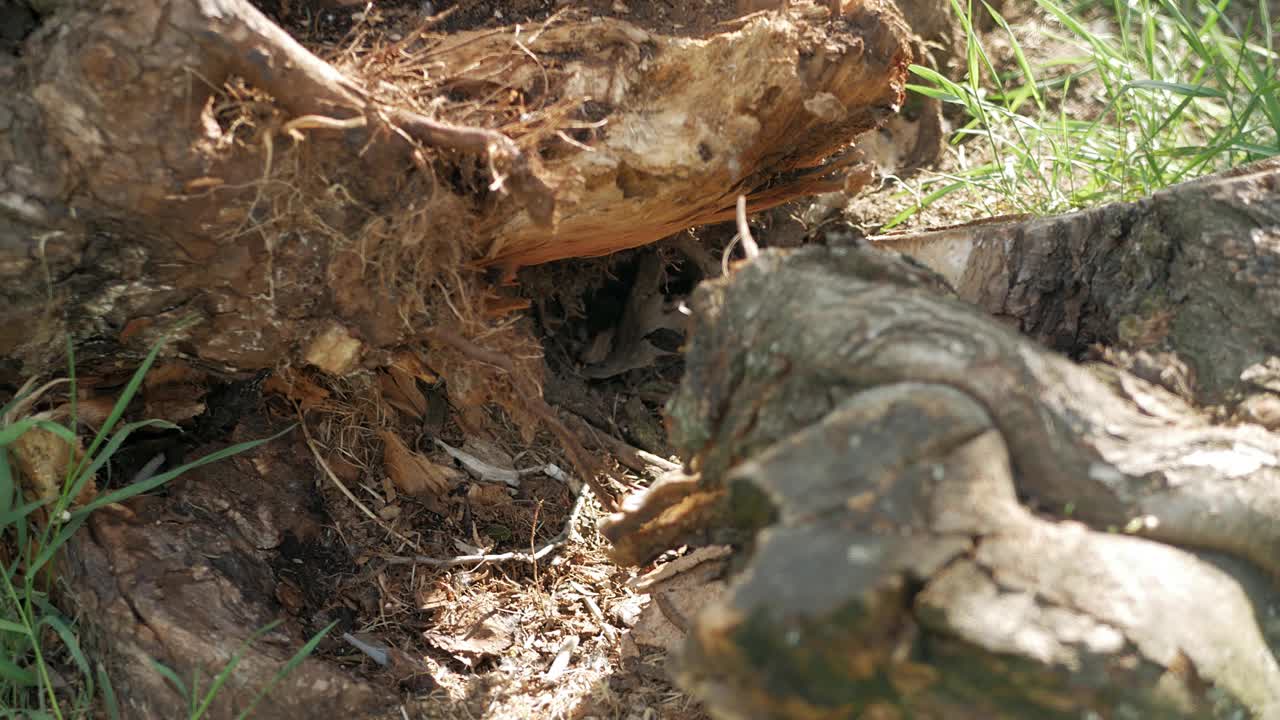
x: 1184, y: 277
x: 186, y: 578
x: 941, y: 518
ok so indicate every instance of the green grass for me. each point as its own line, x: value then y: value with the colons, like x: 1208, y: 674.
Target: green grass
x: 199, y: 700
x: 34, y: 634
x: 1181, y: 89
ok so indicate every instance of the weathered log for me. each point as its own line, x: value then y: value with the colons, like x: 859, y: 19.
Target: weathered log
x: 941, y: 518
x: 188, y: 169
x: 1186, y: 277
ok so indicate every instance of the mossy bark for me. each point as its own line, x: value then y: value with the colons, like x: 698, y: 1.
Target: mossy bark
x: 960, y: 523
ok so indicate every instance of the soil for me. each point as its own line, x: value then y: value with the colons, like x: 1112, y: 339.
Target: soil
x: 578, y: 592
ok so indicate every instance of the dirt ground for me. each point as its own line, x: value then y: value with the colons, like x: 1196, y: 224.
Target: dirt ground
x: 488, y: 634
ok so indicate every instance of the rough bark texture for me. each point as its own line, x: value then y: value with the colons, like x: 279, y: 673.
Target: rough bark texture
x: 1186, y: 278
x: 185, y: 579
x: 324, y: 223
x: 969, y: 486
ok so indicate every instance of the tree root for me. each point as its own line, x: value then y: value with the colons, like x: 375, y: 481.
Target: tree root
x: 259, y: 50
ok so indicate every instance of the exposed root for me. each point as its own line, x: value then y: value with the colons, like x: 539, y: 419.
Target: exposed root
x: 749, y: 246
x: 307, y: 86
x: 641, y: 461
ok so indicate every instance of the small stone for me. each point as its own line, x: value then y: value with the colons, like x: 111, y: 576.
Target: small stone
x: 1263, y: 408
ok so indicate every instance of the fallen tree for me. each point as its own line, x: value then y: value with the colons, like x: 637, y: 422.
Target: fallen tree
x: 940, y: 518
x: 1178, y: 287
x: 1015, y: 534
x: 189, y: 169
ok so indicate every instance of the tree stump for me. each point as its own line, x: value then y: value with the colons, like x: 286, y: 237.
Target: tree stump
x: 940, y: 518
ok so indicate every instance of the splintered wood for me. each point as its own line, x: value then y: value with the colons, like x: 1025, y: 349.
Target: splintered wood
x: 687, y: 124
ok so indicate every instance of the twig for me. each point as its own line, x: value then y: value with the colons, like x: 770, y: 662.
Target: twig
x: 533, y: 537
x: 633, y: 457
x: 321, y: 122
x: 749, y: 246
x: 568, y: 533
x: 487, y: 472
x: 148, y: 470
x: 536, y: 405
x: 727, y: 255
x: 377, y: 653
x: 343, y: 488
x: 546, y: 79
x: 564, y: 654
x: 25, y: 398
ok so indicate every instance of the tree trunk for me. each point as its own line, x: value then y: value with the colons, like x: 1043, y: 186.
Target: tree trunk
x: 941, y: 518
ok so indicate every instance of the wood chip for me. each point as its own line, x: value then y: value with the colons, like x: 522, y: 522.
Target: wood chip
x: 488, y: 638
x: 563, y: 655
x: 414, y: 474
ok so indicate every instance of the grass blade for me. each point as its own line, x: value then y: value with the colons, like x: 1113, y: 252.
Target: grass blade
x: 303, y: 653
x: 11, y: 673
x: 1018, y: 55
x: 924, y: 202
x: 52, y: 620
x: 51, y: 547
x: 108, y: 694
x: 8, y: 490
x: 122, y: 402
x: 82, y: 478
x: 1195, y: 91
x: 157, y: 480
x: 15, y: 515
x: 229, y: 668
x: 168, y: 674
x: 10, y: 433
